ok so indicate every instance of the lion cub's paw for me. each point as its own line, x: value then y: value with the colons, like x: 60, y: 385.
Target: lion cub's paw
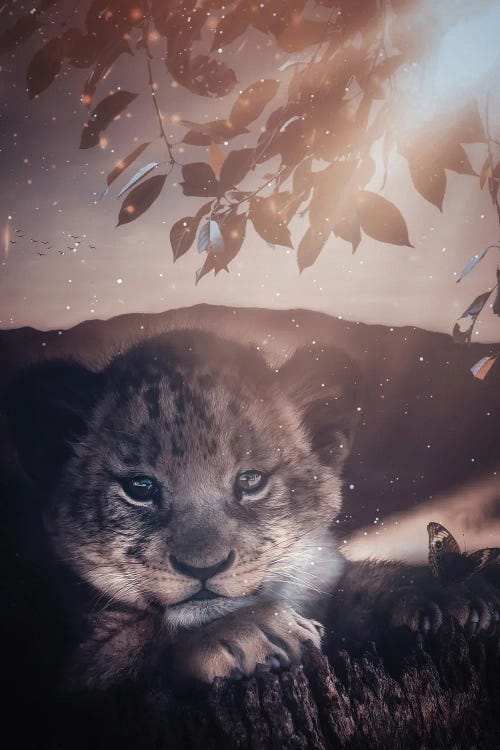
x: 271, y: 635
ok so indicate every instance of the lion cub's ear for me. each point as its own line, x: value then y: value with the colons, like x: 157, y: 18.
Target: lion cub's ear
x: 47, y: 408
x: 325, y: 386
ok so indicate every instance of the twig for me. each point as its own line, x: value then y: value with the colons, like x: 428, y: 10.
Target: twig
x: 159, y: 117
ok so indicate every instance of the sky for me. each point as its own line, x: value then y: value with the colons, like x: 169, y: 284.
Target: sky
x: 49, y: 190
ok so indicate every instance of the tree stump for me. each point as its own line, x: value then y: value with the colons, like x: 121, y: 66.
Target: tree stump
x: 440, y: 692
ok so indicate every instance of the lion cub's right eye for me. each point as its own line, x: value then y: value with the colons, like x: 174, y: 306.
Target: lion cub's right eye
x: 250, y: 481
x: 141, y: 489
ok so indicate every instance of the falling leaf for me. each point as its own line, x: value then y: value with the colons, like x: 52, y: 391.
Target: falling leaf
x: 146, y: 169
x: 210, y: 238
x: 183, y: 232
x: 482, y: 368
x: 216, y: 158
x: 140, y: 199
x: 380, y: 219
x: 124, y: 163
x: 462, y: 332
x: 105, y: 112
x: 473, y: 263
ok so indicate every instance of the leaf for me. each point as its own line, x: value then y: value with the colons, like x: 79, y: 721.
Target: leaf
x: 183, y: 232
x: 292, y: 61
x: 388, y: 67
x: 380, y: 219
x: 484, y: 172
x: 303, y: 178
x: 269, y: 219
x: 301, y: 33
x: 105, y: 112
x: 208, y: 266
x: 210, y: 77
x: 455, y: 158
x: 473, y: 263
x: 202, y: 134
x: 482, y: 368
x: 349, y: 229
x: 310, y: 246
x: 199, y: 180
x: 210, y: 238
x: 461, y: 334
x: 468, y: 126
x: 44, y: 66
x: 429, y: 181
x: 124, y: 163
x: 331, y: 185
x: 496, y: 302
x: 216, y: 158
x: 233, y: 233
x: 22, y: 30
x: 251, y: 102
x: 230, y: 27
x: 105, y: 60
x: 140, y: 199
x: 146, y: 169
x: 235, y: 168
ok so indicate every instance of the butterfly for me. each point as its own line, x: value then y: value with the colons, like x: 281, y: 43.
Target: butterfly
x: 448, y: 563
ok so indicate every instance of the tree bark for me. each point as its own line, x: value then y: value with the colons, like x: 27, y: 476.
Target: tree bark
x: 443, y: 692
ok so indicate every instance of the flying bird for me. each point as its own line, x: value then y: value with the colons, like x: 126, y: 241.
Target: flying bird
x: 40, y: 253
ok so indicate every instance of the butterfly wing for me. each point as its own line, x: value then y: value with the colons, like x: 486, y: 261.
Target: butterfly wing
x: 441, y: 541
x: 481, y: 558
x: 444, y: 553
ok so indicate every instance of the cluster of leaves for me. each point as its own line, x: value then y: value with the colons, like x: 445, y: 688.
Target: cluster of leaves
x: 334, y: 103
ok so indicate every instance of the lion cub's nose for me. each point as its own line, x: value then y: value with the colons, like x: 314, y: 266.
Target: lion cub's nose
x: 203, y: 574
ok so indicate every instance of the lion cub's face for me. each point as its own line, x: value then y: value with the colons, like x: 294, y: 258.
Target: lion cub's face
x: 196, y: 482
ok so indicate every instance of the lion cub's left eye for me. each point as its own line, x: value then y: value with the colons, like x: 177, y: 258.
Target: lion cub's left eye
x: 250, y: 480
x: 141, y: 489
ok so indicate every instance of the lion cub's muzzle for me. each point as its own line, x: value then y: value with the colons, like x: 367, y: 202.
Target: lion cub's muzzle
x: 203, y: 574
